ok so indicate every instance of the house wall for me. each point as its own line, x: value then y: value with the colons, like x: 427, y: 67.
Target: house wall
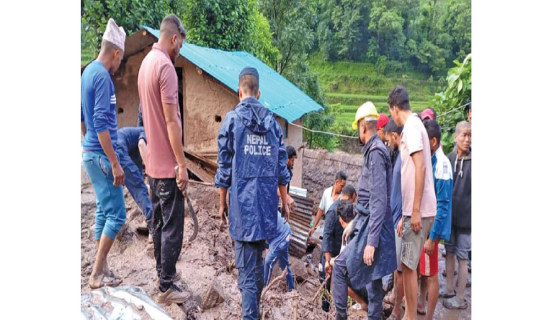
x: 294, y: 138
x: 125, y: 81
x: 204, y: 99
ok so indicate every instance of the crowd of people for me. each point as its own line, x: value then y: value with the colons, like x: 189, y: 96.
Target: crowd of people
x: 403, y: 211
x: 390, y: 223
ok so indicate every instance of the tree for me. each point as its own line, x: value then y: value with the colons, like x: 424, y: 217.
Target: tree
x: 342, y: 30
x: 290, y: 22
x: 130, y: 14
x: 450, y: 104
x: 230, y: 25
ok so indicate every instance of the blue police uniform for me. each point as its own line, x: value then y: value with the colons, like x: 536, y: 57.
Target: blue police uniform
x: 251, y: 164
x: 130, y: 161
x: 372, y: 226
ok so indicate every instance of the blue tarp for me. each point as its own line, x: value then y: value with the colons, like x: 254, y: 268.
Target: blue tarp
x: 277, y: 93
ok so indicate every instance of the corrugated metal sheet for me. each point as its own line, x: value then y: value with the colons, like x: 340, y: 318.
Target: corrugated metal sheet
x: 277, y: 93
x: 299, y: 223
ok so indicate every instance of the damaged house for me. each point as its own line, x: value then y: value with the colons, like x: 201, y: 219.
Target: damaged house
x: 208, y: 87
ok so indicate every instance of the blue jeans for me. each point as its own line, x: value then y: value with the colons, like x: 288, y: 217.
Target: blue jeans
x: 278, y: 251
x: 133, y: 180
x: 249, y: 262
x: 110, y: 212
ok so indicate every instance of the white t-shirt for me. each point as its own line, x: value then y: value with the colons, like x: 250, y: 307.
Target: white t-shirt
x: 415, y: 139
x: 326, y: 200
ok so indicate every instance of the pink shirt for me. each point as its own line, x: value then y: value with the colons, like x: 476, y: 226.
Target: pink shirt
x: 157, y: 83
x: 415, y: 139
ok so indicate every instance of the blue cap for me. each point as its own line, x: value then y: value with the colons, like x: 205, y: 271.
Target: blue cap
x: 249, y: 71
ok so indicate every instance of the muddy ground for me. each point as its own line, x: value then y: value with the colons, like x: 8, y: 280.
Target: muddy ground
x: 208, y: 259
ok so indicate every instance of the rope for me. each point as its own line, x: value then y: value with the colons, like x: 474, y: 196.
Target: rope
x: 353, y: 137
x: 325, y: 132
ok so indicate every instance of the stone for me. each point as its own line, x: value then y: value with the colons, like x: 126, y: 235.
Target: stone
x: 212, y: 297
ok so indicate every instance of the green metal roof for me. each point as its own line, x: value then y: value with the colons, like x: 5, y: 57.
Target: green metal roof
x: 277, y: 93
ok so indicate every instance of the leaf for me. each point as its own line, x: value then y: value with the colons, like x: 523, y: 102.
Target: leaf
x: 459, y: 85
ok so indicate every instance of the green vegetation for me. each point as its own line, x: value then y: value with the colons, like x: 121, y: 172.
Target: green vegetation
x: 349, y: 84
x: 340, y: 52
x: 452, y: 103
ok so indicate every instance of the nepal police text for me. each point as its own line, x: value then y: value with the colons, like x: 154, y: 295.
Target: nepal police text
x: 257, y: 145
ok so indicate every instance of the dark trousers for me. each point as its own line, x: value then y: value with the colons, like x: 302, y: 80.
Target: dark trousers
x: 168, y: 215
x: 373, y: 294
x: 325, y: 304
x: 250, y: 263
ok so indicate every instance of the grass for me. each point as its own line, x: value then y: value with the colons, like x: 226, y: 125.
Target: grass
x: 350, y: 84
x: 86, y: 55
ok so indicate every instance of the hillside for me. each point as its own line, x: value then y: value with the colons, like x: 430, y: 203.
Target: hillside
x: 347, y: 85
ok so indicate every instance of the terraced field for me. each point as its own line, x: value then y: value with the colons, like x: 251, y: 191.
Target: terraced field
x: 349, y: 84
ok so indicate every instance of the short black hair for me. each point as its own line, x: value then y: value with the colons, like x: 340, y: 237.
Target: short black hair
x: 349, y: 190
x: 393, y: 127
x: 290, y: 151
x: 171, y: 25
x: 341, y: 175
x: 249, y: 84
x: 433, y: 129
x: 345, y: 210
x: 399, y: 98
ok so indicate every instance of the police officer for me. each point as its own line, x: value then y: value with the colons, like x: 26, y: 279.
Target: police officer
x: 370, y: 255
x: 251, y: 165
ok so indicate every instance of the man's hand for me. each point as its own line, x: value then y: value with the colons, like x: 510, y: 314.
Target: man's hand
x: 118, y: 174
x: 142, y: 147
x: 400, y: 228
x: 291, y: 203
x: 182, y: 178
x: 328, y: 268
x: 311, y: 231
x: 285, y: 211
x: 416, y: 223
x: 223, y: 208
x: 347, y: 231
x: 368, y: 255
x: 429, y: 246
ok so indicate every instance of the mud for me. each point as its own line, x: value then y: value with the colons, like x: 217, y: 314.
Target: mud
x: 208, y: 260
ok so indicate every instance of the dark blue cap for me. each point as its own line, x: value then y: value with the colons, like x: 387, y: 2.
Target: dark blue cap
x: 249, y: 71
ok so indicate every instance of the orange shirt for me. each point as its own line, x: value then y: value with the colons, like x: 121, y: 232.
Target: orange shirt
x: 158, y: 83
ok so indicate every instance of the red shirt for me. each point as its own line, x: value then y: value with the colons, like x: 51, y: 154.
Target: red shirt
x: 158, y: 83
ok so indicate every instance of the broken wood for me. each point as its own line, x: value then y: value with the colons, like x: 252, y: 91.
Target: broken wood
x: 276, y: 280
x: 320, y: 288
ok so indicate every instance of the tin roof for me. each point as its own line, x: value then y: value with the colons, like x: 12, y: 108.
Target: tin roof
x: 277, y: 93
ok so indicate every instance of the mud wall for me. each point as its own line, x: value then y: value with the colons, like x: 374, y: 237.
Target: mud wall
x: 205, y: 104
x: 293, y: 137
x: 125, y: 80
x: 320, y: 168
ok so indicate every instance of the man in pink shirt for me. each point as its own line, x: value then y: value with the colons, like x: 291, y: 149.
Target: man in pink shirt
x: 158, y: 93
x: 417, y: 189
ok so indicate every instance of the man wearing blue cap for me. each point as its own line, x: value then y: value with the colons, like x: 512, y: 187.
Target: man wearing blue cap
x: 370, y: 255
x: 252, y: 166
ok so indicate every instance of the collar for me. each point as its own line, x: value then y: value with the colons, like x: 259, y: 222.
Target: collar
x: 370, y: 143
x: 157, y: 46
